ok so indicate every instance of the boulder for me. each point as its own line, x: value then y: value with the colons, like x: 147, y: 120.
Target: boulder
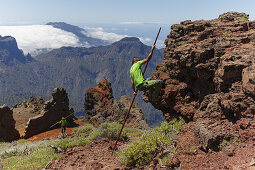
x: 8, y: 132
x: 100, y: 106
x: 209, y: 75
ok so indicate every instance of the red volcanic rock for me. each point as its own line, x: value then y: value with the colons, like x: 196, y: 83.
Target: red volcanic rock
x: 100, y: 107
x: 7, y: 131
x: 209, y: 75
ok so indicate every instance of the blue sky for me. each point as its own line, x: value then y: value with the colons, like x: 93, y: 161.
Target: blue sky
x: 120, y: 17
x: 20, y: 12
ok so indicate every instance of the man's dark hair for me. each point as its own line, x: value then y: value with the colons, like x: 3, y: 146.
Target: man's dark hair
x: 135, y: 59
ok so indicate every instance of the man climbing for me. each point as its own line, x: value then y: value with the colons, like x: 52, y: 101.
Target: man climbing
x: 137, y: 79
x: 63, y: 124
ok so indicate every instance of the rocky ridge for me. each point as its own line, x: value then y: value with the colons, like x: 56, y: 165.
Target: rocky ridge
x: 208, y: 69
x: 100, y: 106
x: 36, y: 115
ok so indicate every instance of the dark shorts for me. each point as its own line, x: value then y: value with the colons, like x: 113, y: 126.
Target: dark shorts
x: 148, y: 84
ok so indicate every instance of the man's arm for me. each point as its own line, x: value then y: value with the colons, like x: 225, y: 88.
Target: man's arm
x: 149, y: 56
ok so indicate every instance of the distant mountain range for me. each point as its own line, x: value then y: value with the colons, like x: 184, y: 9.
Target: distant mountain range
x: 84, y: 40
x: 74, y: 68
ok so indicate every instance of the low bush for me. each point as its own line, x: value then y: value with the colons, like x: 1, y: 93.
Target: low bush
x: 144, y: 149
x: 111, y: 131
x: 83, y: 131
x: 72, y: 142
x: 88, y: 133
x: 22, y: 148
x: 37, y: 160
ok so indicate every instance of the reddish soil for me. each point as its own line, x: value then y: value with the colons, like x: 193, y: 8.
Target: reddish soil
x: 53, y: 134
x: 236, y: 156
x: 97, y: 155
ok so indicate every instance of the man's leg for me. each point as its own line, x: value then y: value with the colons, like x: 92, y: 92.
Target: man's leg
x: 154, y: 87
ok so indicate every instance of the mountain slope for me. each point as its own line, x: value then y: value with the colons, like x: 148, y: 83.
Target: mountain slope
x: 9, y: 52
x: 75, y: 69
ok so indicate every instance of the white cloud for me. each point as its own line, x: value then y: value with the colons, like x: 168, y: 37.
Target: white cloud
x: 33, y: 37
x: 101, y: 34
x: 146, y: 40
x: 131, y: 23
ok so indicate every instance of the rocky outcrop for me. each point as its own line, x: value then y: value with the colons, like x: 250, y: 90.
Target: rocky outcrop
x: 36, y: 115
x: 7, y: 125
x: 9, y: 52
x: 209, y: 77
x: 100, y: 106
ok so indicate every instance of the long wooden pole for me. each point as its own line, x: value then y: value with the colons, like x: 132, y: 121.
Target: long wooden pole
x: 134, y: 96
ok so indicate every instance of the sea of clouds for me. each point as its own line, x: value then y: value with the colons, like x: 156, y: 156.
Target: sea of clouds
x: 35, y: 39
x: 32, y: 37
x: 99, y: 32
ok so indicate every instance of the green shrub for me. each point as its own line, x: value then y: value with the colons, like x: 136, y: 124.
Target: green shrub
x: 22, y: 147
x: 245, y: 19
x: 144, y: 149
x: 36, y: 160
x: 108, y: 130
x: 226, y: 142
x: 167, y: 159
x: 83, y: 131
x: 88, y: 133
x: 163, y: 68
x: 22, y: 141
x: 72, y: 142
x: 226, y: 34
x: 191, y: 149
x: 10, y: 154
x: 183, y: 43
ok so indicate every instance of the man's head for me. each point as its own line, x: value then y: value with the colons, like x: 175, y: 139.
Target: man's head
x: 135, y: 59
x: 63, y: 118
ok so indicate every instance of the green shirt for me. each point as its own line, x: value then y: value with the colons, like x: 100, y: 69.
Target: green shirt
x: 63, y: 122
x: 136, y: 73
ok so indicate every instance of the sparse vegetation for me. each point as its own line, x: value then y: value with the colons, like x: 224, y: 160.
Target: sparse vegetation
x: 72, y: 142
x: 245, y: 19
x: 83, y: 131
x: 37, y: 160
x: 167, y: 160
x: 226, y: 34
x: 23, y: 154
x: 226, y: 142
x: 163, y: 68
x: 190, y: 149
x: 183, y: 43
x: 87, y: 133
x: 22, y: 141
x: 144, y: 149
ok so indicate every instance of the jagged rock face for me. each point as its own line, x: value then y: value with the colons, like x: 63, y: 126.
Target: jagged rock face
x: 209, y: 73
x: 9, y: 51
x: 36, y: 115
x: 7, y: 123
x: 100, y: 107
x: 24, y: 111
